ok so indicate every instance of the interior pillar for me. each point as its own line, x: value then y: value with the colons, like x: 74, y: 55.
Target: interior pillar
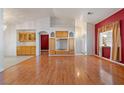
x: 1, y: 41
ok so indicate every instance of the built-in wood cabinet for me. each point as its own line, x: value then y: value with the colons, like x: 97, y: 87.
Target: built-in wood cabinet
x: 58, y: 52
x: 52, y: 46
x: 61, y: 42
x: 71, y: 45
x: 61, y: 52
x: 61, y: 34
x: 27, y: 36
x: 52, y: 52
x: 26, y: 42
x: 26, y: 50
x: 52, y: 43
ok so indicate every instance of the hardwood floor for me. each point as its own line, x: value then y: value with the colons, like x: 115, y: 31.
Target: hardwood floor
x: 64, y: 70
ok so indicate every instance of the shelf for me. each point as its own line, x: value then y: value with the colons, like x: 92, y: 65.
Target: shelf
x: 61, y: 44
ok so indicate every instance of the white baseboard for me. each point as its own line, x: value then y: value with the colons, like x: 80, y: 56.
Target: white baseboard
x: 110, y: 60
x: 61, y: 55
x: 79, y: 54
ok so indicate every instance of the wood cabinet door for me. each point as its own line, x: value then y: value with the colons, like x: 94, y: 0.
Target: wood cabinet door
x: 52, y: 43
x: 27, y: 36
x: 60, y: 34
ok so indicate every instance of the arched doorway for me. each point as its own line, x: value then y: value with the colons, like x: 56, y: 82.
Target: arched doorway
x: 44, y: 42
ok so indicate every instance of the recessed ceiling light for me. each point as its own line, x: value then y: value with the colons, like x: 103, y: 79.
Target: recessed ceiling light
x: 90, y: 13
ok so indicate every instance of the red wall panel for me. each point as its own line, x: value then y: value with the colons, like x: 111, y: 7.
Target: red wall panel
x: 115, y: 17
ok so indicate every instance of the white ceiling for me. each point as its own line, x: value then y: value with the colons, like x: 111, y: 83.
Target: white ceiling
x: 15, y: 15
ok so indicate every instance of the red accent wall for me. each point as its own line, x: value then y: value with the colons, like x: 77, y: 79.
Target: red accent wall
x: 44, y: 42
x: 115, y: 17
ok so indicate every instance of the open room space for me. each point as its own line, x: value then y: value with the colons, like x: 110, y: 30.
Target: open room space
x: 63, y: 70
x: 61, y: 46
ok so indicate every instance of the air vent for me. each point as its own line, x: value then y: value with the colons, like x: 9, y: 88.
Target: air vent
x: 90, y: 13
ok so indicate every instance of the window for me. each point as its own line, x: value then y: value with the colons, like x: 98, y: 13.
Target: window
x: 52, y: 34
x: 71, y: 34
x: 105, y: 43
x: 106, y: 38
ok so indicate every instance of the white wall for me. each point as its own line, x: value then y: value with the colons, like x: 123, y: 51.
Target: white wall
x: 59, y: 22
x: 44, y: 24
x: 78, y: 43
x: 84, y: 34
x: 1, y: 40
x: 10, y: 40
x: 10, y: 34
x: 34, y: 24
x: 90, y: 39
x: 85, y: 37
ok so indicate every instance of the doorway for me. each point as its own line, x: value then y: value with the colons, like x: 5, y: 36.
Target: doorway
x: 44, y: 43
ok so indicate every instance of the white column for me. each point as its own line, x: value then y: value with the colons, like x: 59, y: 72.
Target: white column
x: 10, y: 38
x: 81, y: 34
x: 1, y: 40
x: 37, y: 43
x: 90, y: 39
